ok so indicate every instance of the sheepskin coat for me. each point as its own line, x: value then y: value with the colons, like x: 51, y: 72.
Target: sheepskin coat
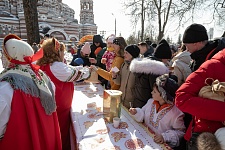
x: 146, y: 70
x: 181, y: 67
x: 125, y: 79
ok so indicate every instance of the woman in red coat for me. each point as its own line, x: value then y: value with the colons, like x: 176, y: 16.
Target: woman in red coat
x: 207, y: 114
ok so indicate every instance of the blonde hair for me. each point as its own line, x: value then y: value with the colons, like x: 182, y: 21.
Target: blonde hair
x: 208, y: 141
x: 51, y: 54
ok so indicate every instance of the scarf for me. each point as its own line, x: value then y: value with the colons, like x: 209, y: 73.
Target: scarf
x: 22, y: 77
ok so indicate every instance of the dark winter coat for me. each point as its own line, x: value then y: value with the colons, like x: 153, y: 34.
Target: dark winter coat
x: 146, y: 71
x: 78, y: 55
x: 206, y: 52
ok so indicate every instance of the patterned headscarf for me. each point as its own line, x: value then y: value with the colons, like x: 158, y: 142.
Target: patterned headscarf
x: 167, y: 88
x: 24, y: 75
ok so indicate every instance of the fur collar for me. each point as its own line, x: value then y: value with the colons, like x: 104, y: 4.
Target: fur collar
x: 148, y: 66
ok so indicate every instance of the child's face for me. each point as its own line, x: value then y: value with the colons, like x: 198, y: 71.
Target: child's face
x: 142, y: 48
x: 127, y: 56
x: 157, y: 96
x: 109, y: 44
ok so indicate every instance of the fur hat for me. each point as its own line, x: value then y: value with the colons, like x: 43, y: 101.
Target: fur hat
x: 195, y: 33
x: 86, y: 49
x: 133, y: 50
x: 163, y: 51
x: 220, y: 135
x: 167, y: 88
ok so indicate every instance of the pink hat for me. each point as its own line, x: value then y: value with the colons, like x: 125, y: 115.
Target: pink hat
x: 86, y: 48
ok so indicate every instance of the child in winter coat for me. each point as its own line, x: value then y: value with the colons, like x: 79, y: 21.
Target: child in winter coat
x: 160, y: 114
x: 109, y: 54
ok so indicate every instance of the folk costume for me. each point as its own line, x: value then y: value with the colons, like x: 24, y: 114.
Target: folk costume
x: 62, y: 76
x: 28, y: 118
x: 165, y: 119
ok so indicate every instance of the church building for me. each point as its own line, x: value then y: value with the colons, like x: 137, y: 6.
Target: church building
x: 54, y: 18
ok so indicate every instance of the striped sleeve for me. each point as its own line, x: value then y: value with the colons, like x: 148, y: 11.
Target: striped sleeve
x: 67, y: 73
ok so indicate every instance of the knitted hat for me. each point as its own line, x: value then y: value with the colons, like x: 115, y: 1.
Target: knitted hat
x: 220, y: 135
x: 78, y: 61
x: 86, y: 48
x: 167, y: 88
x: 163, y: 51
x: 133, y: 50
x: 97, y: 39
x: 195, y: 33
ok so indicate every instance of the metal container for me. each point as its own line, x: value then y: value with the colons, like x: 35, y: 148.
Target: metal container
x: 111, y: 104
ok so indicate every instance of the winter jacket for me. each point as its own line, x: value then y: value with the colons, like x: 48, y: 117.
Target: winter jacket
x: 96, y: 39
x: 181, y: 67
x: 208, y: 114
x: 149, y: 52
x: 99, y: 57
x: 146, y: 71
x: 207, y: 52
x: 117, y: 62
x: 126, y: 80
x: 78, y: 55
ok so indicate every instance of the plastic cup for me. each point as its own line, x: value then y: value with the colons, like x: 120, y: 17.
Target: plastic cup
x: 116, y: 122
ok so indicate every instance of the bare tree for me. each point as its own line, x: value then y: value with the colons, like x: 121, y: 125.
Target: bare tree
x: 160, y: 12
x: 138, y: 11
x: 31, y: 19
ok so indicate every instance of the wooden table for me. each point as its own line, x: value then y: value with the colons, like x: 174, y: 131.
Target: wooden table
x: 94, y: 132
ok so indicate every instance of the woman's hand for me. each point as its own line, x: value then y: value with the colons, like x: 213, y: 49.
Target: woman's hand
x: 114, y: 75
x: 103, y: 60
x: 158, y: 138
x: 93, y: 67
x: 132, y: 111
x: 92, y: 60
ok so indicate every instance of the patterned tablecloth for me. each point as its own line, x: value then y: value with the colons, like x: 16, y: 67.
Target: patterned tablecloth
x: 94, y: 132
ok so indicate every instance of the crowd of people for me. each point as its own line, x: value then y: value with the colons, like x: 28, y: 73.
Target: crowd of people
x: 160, y: 86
